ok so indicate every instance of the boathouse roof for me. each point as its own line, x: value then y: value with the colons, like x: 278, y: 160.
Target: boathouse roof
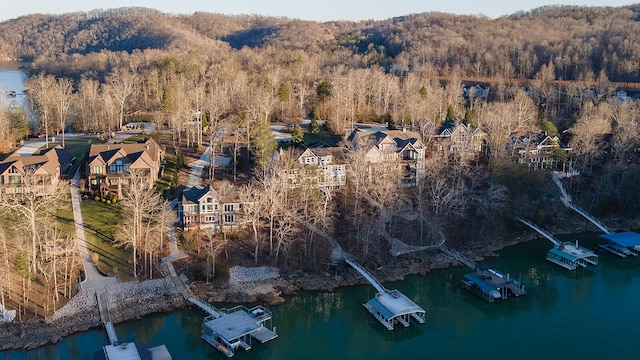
x: 480, y: 282
x: 625, y: 239
x: 563, y: 254
x: 234, y: 325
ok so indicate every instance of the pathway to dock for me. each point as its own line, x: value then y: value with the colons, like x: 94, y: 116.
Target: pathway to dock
x: 540, y: 231
x: 566, y: 200
x: 457, y: 256
x: 349, y: 259
x: 92, y: 278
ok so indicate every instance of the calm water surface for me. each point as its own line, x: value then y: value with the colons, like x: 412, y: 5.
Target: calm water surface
x: 11, y: 78
x: 585, y: 314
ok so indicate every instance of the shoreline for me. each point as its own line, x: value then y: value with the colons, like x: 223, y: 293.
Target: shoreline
x: 134, y: 300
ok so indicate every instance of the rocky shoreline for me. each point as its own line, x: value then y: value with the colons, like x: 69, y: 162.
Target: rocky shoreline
x: 134, y: 300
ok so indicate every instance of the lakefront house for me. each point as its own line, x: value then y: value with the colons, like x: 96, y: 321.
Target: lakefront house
x: 109, y: 166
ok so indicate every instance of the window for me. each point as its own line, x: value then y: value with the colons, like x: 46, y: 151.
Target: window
x: 228, y: 207
x: 118, y: 167
x: 96, y: 170
x: 15, y: 179
x: 229, y: 218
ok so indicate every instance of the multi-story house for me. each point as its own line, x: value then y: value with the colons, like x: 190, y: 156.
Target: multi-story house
x: 205, y: 208
x: 109, y: 165
x: 540, y: 151
x: 321, y: 166
x: 40, y: 173
x: 391, y: 149
x: 459, y: 138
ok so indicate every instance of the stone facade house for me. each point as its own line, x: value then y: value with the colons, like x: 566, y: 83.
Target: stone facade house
x: 109, y: 165
x: 205, y: 208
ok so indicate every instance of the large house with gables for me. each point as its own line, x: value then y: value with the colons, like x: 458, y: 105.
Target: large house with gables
x: 323, y: 166
x: 539, y: 151
x: 389, y: 149
x: 109, y: 165
x: 40, y: 173
x: 205, y: 208
x: 460, y: 138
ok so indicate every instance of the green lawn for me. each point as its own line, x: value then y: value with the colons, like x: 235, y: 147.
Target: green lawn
x: 101, y: 223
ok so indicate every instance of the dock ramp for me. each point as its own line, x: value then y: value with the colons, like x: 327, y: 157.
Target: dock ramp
x: 349, y: 259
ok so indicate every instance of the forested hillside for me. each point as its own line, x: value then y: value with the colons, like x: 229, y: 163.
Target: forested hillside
x: 577, y: 42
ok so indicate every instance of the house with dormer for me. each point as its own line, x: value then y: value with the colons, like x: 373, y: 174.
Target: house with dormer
x: 40, y: 173
x: 205, y: 208
x: 458, y: 137
x: 109, y: 165
x: 539, y: 151
x: 323, y: 166
x: 391, y: 149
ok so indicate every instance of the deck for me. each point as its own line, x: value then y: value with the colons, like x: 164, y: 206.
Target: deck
x: 622, y: 244
x: 492, y: 285
x: 393, y: 307
x: 230, y: 329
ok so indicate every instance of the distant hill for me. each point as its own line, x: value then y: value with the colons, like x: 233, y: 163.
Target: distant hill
x: 577, y: 42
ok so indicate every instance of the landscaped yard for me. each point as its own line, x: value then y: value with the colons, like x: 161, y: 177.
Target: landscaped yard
x: 101, y: 222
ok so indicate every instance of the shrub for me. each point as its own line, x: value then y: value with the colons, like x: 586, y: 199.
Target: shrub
x: 97, y: 198
x: 108, y: 202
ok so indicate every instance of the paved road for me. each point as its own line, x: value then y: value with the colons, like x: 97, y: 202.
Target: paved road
x: 93, y: 278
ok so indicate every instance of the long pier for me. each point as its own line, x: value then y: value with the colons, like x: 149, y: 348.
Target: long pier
x: 540, y: 231
x: 348, y: 258
x: 105, y: 316
x: 566, y: 200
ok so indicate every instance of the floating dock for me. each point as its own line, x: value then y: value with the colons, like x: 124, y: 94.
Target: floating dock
x: 565, y: 254
x: 622, y: 244
x: 571, y: 256
x: 492, y: 285
x: 389, y: 307
x: 484, y: 281
x: 231, y: 329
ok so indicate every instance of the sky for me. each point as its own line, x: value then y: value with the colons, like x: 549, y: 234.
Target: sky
x: 317, y: 10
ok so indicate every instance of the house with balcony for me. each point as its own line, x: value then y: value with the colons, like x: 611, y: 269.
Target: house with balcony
x: 460, y: 138
x: 109, y: 166
x: 539, y: 151
x: 390, y: 150
x: 205, y: 208
x: 322, y: 166
x: 40, y: 173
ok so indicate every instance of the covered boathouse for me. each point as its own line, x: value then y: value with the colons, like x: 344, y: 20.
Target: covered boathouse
x: 230, y: 329
x: 570, y: 256
x: 491, y: 285
x: 622, y: 244
x: 391, y: 307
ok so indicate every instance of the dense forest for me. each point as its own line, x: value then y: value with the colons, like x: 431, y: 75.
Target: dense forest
x: 554, y: 70
x: 577, y: 42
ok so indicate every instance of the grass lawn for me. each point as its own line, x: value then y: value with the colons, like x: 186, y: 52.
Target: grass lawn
x: 101, y: 222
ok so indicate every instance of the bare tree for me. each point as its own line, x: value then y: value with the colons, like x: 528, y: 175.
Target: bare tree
x: 32, y: 205
x: 138, y: 204
x: 63, y: 92
x: 121, y: 85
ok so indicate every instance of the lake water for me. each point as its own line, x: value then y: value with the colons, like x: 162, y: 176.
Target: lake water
x: 584, y: 314
x: 11, y: 79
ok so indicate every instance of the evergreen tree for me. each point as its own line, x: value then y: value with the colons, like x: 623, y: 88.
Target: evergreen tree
x: 313, y: 126
x: 297, y: 135
x: 450, y: 114
x: 263, y: 144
